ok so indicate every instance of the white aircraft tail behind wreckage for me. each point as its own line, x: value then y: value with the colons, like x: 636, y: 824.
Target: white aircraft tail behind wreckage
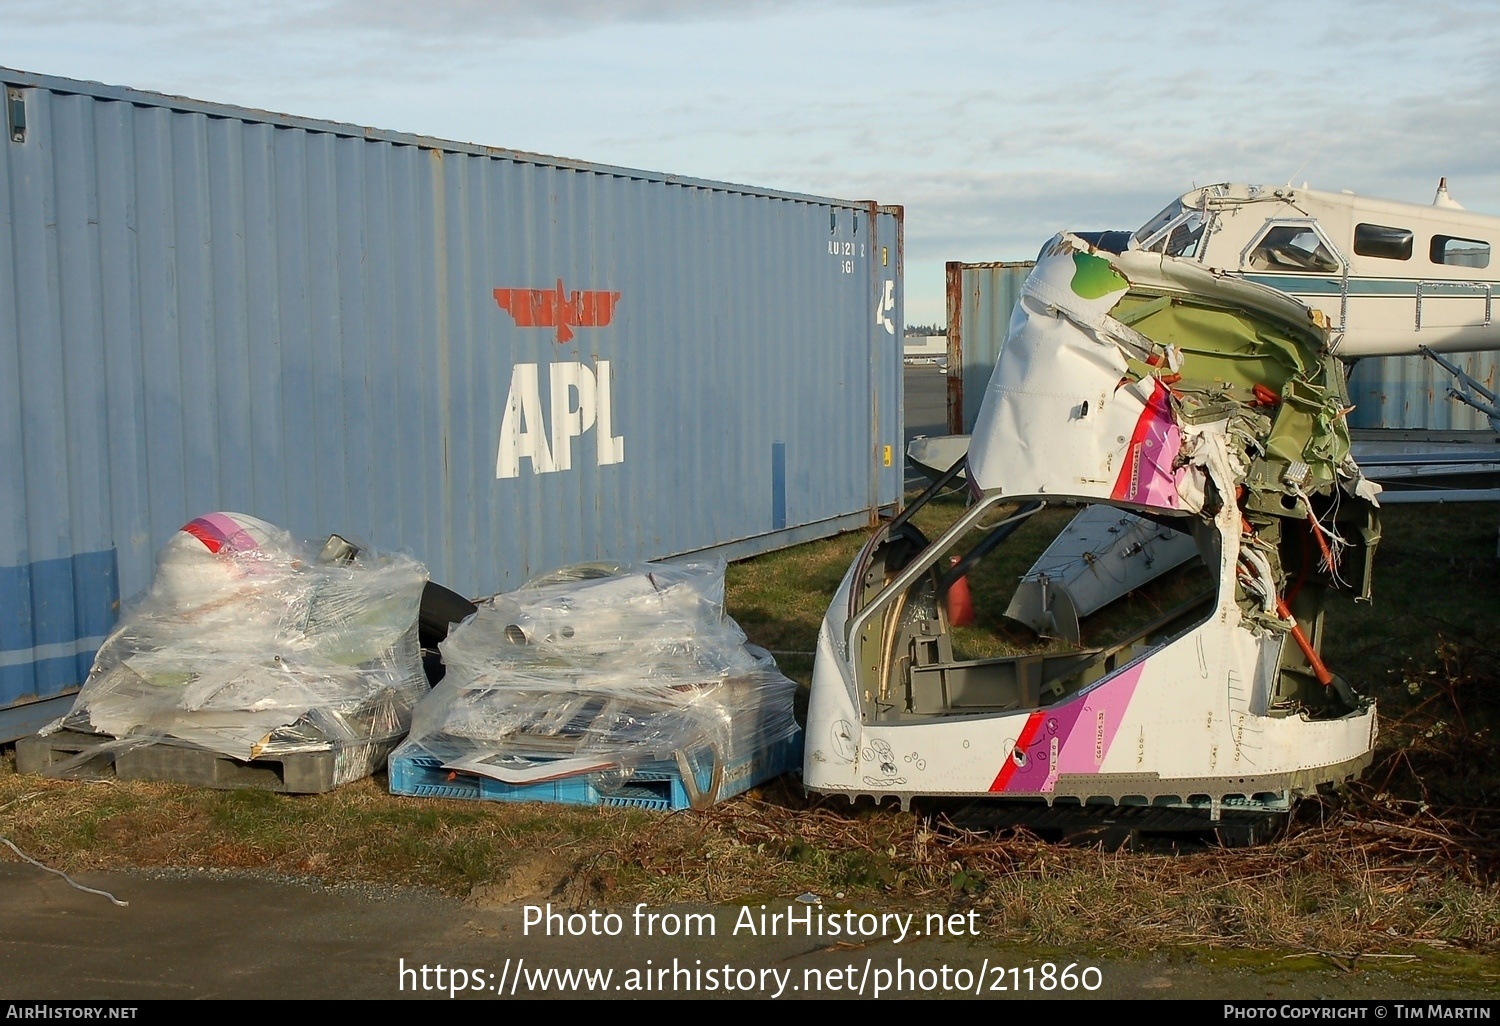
x: 1195, y: 399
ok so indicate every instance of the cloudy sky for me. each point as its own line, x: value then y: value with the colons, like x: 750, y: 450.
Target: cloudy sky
x: 995, y: 124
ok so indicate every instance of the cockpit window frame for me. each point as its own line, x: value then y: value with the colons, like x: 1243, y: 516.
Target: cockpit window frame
x: 1161, y: 240
x: 1161, y: 222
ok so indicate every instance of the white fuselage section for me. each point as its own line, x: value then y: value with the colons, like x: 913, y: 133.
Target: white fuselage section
x: 1084, y: 407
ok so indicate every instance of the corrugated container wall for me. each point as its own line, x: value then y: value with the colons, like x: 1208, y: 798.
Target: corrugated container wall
x: 1412, y: 392
x: 980, y: 300
x: 496, y: 361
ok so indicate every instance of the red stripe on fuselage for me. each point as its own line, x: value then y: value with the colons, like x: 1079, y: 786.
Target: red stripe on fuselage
x: 1028, y: 734
x: 1128, y: 482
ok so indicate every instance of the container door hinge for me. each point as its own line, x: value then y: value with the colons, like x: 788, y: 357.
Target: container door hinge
x: 15, y: 114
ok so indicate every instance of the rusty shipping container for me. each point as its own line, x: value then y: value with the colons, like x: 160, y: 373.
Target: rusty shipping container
x: 1411, y: 393
x: 980, y: 300
x: 496, y: 361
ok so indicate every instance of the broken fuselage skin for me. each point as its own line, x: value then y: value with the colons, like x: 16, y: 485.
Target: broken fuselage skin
x: 1149, y: 384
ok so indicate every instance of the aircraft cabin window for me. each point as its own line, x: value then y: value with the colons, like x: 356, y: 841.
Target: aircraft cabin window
x: 1460, y: 252
x: 1378, y: 240
x: 1293, y: 247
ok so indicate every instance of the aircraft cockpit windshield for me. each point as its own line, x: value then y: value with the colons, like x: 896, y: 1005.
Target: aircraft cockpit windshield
x: 1176, y: 231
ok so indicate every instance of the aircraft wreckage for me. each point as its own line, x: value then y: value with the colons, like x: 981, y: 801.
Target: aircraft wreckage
x: 1189, y: 399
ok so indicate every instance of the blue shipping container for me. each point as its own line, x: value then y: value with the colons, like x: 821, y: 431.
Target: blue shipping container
x: 497, y: 361
x: 1411, y: 392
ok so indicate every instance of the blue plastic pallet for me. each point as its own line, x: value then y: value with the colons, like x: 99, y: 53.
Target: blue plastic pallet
x: 657, y: 785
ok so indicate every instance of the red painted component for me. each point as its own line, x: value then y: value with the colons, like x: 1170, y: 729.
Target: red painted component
x: 1157, y: 412
x: 1319, y: 670
x: 1264, y: 396
x: 201, y: 529
x: 1028, y: 735
x: 960, y: 602
x: 555, y: 308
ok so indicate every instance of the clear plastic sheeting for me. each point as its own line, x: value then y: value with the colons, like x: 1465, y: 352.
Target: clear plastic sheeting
x: 599, y: 669
x: 253, y: 645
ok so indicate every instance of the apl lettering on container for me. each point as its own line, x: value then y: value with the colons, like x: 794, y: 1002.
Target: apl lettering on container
x: 523, y: 430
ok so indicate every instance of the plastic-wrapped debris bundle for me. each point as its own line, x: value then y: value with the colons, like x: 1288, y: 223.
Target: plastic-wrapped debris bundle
x: 252, y: 645
x: 603, y: 671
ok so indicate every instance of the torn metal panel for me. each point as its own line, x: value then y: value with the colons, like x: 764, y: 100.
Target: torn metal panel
x: 1098, y: 406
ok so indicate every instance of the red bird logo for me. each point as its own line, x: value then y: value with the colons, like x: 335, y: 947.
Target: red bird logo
x: 556, y: 308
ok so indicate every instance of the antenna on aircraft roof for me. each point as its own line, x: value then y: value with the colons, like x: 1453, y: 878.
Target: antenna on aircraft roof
x: 1303, y: 166
x: 1442, y: 199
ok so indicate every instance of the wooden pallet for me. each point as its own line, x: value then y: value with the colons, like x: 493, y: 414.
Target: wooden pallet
x: 296, y: 773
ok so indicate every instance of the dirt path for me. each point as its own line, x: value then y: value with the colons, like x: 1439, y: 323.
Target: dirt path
x: 205, y: 935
